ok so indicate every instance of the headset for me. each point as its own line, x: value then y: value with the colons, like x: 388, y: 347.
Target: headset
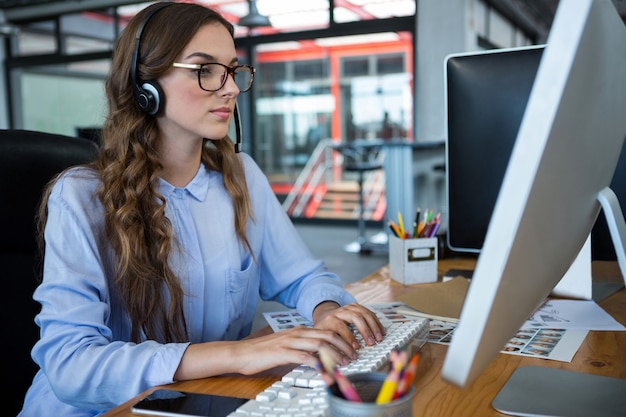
x: 149, y: 94
x: 238, y: 130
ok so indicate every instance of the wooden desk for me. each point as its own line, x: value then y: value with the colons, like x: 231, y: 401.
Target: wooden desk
x: 602, y: 353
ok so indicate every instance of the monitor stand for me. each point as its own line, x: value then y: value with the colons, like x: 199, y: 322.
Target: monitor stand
x: 601, y: 290
x: 542, y: 391
x: 617, y: 227
x: 578, y: 283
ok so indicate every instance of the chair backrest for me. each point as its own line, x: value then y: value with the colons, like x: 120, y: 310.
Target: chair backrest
x: 28, y: 160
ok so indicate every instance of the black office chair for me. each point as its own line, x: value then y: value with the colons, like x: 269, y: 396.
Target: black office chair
x: 28, y: 160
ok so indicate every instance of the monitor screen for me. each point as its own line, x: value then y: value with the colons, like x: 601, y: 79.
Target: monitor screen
x: 565, y: 154
x: 486, y: 94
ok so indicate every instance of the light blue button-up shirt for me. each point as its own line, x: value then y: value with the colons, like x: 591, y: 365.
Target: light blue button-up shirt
x: 87, y: 363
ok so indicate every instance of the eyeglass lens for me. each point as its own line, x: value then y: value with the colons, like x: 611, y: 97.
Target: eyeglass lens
x: 213, y: 77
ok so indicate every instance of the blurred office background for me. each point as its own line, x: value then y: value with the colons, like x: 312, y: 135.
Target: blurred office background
x: 330, y: 73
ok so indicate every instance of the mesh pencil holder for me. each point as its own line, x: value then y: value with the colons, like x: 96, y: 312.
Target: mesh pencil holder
x: 367, y: 386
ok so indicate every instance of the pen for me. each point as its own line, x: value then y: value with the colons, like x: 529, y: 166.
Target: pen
x: 416, y: 222
x: 417, y: 216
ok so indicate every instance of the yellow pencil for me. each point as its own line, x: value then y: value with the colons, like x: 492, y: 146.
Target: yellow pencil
x: 401, y: 224
x: 388, y: 389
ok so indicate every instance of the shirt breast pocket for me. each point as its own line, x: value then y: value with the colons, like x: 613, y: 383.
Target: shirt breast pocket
x: 242, y: 291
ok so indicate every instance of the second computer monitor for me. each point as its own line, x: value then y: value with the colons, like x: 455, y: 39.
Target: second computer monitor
x: 486, y: 95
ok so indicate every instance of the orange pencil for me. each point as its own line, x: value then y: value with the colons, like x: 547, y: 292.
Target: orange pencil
x: 408, y: 375
x: 422, y: 224
x: 388, y: 389
x: 395, y: 229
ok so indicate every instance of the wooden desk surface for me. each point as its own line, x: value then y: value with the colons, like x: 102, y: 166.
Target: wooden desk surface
x: 602, y: 353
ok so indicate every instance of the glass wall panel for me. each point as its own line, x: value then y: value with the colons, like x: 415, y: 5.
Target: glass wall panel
x: 293, y: 107
x: 31, y: 43
x: 330, y: 90
x: 61, y: 104
x: 77, y: 33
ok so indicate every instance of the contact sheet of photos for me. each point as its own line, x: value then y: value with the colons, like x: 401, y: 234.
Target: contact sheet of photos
x: 287, y: 319
x: 548, y: 343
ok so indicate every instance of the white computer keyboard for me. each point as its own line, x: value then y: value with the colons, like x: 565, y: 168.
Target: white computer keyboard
x: 283, y: 400
x: 302, y: 393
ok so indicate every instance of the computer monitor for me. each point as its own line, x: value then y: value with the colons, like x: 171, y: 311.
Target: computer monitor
x: 561, y: 165
x: 486, y: 94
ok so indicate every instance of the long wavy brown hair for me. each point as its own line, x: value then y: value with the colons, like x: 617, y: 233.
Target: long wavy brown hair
x: 128, y: 164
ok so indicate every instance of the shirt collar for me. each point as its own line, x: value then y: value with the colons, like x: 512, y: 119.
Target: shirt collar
x: 198, y: 187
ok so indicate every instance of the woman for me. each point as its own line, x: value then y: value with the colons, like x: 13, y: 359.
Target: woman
x: 156, y: 253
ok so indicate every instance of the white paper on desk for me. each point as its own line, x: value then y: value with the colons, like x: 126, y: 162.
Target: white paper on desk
x: 573, y: 314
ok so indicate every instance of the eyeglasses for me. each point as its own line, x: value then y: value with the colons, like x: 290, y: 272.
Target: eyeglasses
x: 212, y: 76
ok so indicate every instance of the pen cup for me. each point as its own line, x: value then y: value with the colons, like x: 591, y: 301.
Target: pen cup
x: 367, y: 386
x: 413, y: 261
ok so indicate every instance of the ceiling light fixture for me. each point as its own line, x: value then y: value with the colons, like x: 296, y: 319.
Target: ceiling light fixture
x: 254, y: 19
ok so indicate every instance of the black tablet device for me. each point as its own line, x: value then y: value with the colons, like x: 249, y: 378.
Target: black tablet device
x: 173, y: 403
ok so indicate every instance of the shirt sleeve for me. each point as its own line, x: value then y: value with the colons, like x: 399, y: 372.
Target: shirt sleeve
x: 289, y: 272
x: 84, y: 349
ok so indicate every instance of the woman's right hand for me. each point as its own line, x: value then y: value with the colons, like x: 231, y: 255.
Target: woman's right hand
x: 299, y: 345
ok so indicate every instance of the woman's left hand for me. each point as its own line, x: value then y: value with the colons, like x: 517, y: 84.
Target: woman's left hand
x: 330, y: 316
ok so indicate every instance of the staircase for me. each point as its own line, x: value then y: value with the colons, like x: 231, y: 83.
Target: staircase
x: 341, y: 201
x: 316, y: 194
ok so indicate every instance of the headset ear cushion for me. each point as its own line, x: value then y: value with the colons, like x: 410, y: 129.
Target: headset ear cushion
x: 149, y: 97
